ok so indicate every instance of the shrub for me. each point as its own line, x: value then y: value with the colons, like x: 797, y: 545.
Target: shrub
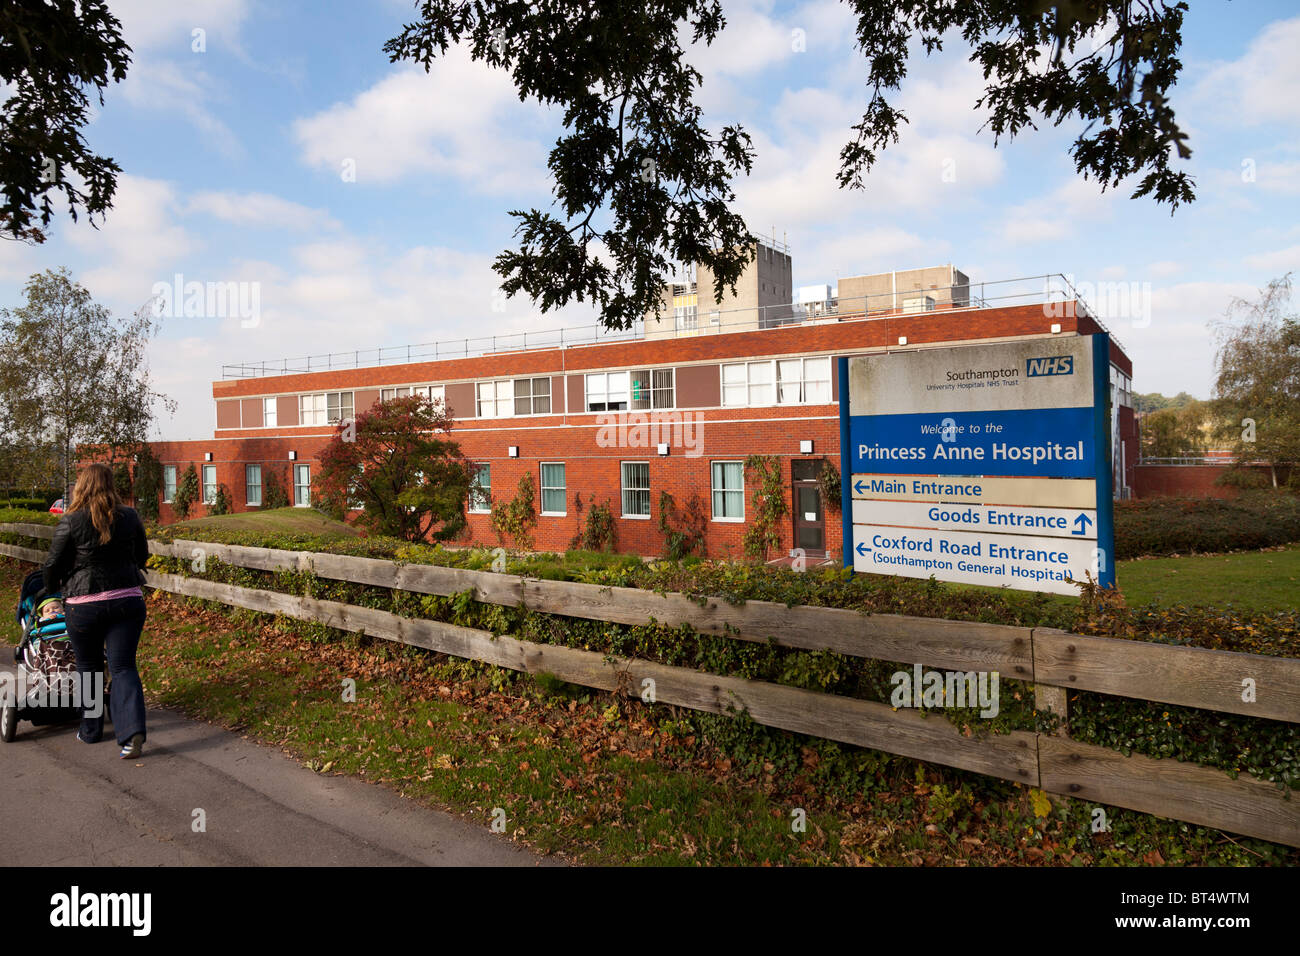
x: 598, y: 532
x: 187, y: 492
x: 516, y: 518
x: 222, y: 503
x: 274, y: 489
x: 768, y: 505
x: 683, y: 531
x: 1162, y: 526
x: 147, y: 485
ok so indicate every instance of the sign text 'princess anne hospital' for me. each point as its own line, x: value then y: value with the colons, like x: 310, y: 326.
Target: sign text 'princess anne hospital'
x: 985, y: 464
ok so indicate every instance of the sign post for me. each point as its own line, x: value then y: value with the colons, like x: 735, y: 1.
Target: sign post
x: 983, y: 464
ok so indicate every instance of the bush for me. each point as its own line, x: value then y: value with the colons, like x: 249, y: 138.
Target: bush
x: 222, y: 503
x: 1163, y: 526
x: 683, y: 531
x: 187, y: 492
x: 274, y: 493
x: 27, y: 504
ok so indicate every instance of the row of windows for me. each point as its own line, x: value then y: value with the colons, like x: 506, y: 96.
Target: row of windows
x: 252, y: 484
x: 727, y: 488
x: 744, y: 384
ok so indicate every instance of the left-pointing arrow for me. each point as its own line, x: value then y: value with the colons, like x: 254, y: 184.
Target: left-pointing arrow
x: 857, y: 486
x: 861, y: 548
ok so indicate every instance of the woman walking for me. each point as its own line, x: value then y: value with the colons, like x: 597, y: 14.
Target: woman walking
x: 96, y: 559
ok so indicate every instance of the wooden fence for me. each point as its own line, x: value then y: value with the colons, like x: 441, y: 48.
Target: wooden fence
x: 1055, y: 662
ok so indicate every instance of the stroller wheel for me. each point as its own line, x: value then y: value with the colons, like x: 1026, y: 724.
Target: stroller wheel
x: 8, y: 722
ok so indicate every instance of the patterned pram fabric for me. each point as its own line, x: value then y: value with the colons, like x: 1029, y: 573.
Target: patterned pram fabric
x: 50, y: 662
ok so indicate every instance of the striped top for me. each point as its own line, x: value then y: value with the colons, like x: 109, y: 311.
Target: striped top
x: 106, y: 595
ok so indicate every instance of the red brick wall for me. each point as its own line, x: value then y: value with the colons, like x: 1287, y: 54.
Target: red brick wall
x: 1183, y: 481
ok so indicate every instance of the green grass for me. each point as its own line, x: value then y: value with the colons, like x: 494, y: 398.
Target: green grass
x: 1256, y: 580
x: 275, y: 521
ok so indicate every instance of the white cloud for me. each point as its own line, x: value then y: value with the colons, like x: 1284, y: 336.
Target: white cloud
x: 1260, y: 86
x: 460, y: 120
x: 1277, y: 262
x: 168, y: 25
x: 1056, y: 215
x: 165, y: 86
x: 261, y: 209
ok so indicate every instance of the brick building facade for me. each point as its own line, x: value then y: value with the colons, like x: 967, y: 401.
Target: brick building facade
x: 580, y: 420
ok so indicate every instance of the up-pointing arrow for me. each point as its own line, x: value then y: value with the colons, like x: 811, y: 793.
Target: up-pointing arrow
x: 1081, y: 524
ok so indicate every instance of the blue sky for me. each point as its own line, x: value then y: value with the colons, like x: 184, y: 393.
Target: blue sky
x: 234, y: 159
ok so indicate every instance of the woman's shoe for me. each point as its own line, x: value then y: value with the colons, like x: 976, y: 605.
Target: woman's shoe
x: 133, y: 747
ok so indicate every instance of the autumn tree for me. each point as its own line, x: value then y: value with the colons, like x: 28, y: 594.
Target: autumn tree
x: 641, y: 184
x: 1176, y: 432
x: 398, y: 468
x: 1257, y: 377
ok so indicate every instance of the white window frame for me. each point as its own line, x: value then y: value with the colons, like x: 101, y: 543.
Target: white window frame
x: 169, y: 498
x: 495, y: 398
x: 625, y: 489
x: 335, y: 409
x: 209, y: 498
x: 480, y: 497
x: 715, y: 490
x: 298, y: 469
x: 809, y: 374
x: 270, y: 413
x: 532, y: 395
x: 562, y: 489
x: 607, y: 388
x: 311, y: 408
x: 248, y: 499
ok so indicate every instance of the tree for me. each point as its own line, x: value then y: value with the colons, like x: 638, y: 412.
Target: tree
x: 50, y: 54
x: 1257, y: 377
x: 641, y: 183
x: 147, y: 484
x: 397, y: 466
x: 1176, y: 431
x: 75, y: 375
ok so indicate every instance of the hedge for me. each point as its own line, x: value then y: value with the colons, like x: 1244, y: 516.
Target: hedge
x: 1164, y: 526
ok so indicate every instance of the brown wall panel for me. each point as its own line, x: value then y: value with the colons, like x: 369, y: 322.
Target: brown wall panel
x: 252, y: 411
x: 460, y: 400
x: 363, y: 398
x: 286, y: 410
x: 698, y: 386
x: 577, y: 394
x: 557, y: 395
x: 228, y: 414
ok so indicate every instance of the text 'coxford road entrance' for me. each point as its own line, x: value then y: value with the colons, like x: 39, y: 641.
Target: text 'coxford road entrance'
x: 1003, y: 484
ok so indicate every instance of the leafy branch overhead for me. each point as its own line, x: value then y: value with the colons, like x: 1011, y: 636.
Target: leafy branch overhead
x: 50, y: 54
x: 640, y: 184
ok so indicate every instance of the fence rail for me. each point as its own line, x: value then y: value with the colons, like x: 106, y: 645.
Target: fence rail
x: 1052, y: 660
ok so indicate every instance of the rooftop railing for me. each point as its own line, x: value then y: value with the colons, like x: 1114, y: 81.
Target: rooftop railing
x: 1048, y: 289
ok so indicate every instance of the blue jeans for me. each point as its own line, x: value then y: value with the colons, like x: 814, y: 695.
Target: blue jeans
x: 115, y: 625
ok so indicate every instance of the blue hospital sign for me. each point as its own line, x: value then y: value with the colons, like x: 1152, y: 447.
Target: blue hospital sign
x: 985, y: 464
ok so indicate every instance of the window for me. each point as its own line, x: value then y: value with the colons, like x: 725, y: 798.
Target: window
x: 532, y: 396
x: 302, y: 486
x: 338, y: 406
x: 269, y: 414
x: 253, y: 484
x: 652, y: 388
x: 435, y: 394
x: 636, y: 489
x: 607, y: 391
x: 804, y: 381
x: 782, y: 382
x: 209, y: 484
x: 686, y: 317
x: 169, y: 482
x: 553, y: 489
x: 388, y: 394
x: 728, y: 491
x: 480, y: 490
x: 496, y: 399
x: 311, y: 409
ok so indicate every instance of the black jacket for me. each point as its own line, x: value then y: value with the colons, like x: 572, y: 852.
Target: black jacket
x: 79, y: 565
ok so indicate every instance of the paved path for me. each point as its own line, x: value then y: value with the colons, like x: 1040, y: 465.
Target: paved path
x: 82, y: 805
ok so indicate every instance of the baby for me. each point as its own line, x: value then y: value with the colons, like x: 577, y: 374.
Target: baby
x: 50, y: 610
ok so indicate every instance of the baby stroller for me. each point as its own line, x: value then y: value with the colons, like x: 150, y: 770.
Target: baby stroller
x: 47, y: 689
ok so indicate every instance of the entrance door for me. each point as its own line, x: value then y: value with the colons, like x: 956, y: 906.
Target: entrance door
x: 809, y: 518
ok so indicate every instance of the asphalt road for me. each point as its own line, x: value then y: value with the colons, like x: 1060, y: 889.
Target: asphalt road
x: 75, y: 804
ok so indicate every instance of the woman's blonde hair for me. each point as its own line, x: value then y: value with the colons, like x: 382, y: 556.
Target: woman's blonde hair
x: 95, y: 493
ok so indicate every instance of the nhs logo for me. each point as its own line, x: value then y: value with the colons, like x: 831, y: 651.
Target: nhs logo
x: 1056, y: 365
